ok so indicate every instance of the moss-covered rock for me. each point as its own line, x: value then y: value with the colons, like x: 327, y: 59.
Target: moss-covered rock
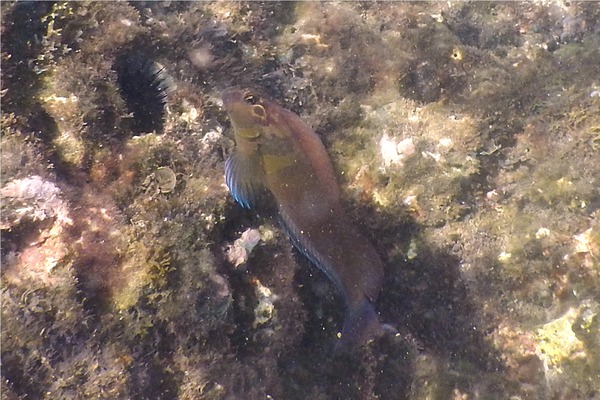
x: 466, y: 141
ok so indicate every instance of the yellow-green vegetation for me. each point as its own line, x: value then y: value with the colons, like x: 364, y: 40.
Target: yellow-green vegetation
x: 557, y: 341
x: 568, y: 345
x: 142, y: 268
x: 68, y: 142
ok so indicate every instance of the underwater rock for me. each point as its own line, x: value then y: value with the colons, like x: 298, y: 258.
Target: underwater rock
x: 35, y: 220
x: 118, y: 287
x: 31, y: 198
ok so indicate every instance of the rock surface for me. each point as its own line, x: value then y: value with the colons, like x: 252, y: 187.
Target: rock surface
x: 466, y: 138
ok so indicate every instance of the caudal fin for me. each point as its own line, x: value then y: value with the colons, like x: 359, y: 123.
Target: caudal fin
x: 361, y: 325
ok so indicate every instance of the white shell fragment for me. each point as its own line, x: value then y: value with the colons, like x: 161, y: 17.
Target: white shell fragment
x: 394, y: 152
x: 240, y: 250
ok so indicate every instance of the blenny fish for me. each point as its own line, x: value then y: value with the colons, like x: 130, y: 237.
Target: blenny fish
x: 276, y: 151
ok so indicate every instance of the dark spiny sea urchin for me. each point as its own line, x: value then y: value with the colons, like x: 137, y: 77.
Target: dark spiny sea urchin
x: 143, y: 85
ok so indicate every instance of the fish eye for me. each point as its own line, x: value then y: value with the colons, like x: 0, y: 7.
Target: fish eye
x: 249, y: 98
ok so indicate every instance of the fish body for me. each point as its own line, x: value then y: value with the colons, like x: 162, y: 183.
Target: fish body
x: 277, y: 151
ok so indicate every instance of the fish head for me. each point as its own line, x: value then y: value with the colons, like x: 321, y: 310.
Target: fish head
x: 247, y: 112
x: 273, y: 148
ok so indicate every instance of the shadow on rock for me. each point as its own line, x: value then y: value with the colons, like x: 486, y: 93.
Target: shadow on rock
x: 427, y: 298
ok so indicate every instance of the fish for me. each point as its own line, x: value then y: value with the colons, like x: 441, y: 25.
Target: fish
x: 277, y: 152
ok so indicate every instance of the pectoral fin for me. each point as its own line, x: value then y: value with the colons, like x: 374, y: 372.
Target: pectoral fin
x: 244, y: 178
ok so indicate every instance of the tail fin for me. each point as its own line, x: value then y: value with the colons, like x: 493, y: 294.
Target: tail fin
x: 361, y: 325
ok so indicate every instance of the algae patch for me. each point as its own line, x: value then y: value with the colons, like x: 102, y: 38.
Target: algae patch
x: 557, y: 342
